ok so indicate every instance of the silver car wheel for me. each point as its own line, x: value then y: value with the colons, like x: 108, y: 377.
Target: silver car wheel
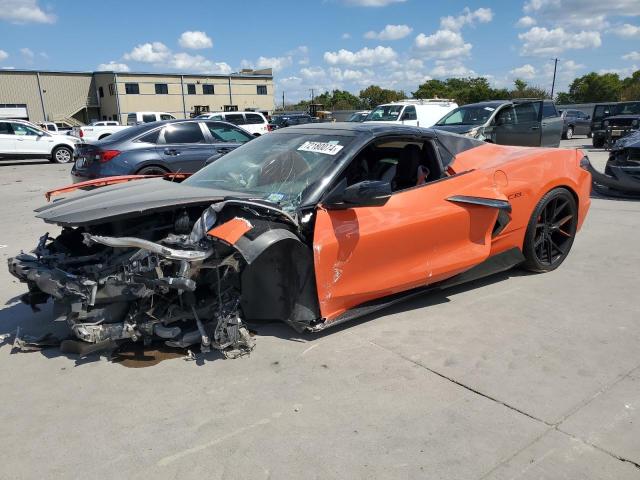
x: 63, y: 155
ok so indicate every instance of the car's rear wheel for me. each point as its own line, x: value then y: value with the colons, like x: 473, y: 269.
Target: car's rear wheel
x: 62, y: 155
x: 152, y: 170
x: 551, y: 231
x: 598, y: 142
x: 569, y: 134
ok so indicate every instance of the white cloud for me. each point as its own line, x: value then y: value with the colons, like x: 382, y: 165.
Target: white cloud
x: 113, y: 66
x: 443, y: 44
x: 451, y: 68
x: 346, y: 36
x: 364, y: 57
x: 24, y: 11
x: 3, y: 55
x: 526, y: 22
x: 468, y: 17
x: 276, y: 63
x: 154, y: 52
x: 195, y: 40
x: 540, y: 41
x: 525, y: 72
x: 390, y: 32
x: 349, y: 75
x: 627, y: 31
x: 372, y: 3
x: 631, y: 56
x: 584, y: 14
x: 312, y: 73
x: 621, y: 72
x: 197, y: 63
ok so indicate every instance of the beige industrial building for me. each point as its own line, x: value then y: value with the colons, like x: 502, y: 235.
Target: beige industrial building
x: 82, y: 97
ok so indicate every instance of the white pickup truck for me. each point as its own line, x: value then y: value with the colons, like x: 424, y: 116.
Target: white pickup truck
x: 97, y: 130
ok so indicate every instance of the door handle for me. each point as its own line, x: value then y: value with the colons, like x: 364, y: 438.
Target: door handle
x: 171, y: 151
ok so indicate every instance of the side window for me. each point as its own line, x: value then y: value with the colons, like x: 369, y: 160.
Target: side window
x: 132, y: 88
x: 20, y: 129
x: 261, y: 89
x: 101, y: 92
x: 527, y: 112
x: 189, y: 132
x: 506, y: 116
x: 151, y: 137
x: 5, y: 128
x: 162, y: 89
x: 191, y: 88
x: 112, y: 89
x: 131, y: 118
x: 225, y: 133
x: 166, y: 116
x: 148, y: 117
x: 549, y: 111
x: 409, y: 113
x: 236, y: 119
x: 207, y: 89
x: 254, y: 119
x: 601, y: 111
x: 401, y: 162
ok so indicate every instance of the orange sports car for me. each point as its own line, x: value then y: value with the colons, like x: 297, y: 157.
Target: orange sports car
x: 311, y: 225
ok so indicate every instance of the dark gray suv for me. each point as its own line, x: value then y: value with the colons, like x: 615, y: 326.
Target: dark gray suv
x: 156, y: 148
x: 523, y: 122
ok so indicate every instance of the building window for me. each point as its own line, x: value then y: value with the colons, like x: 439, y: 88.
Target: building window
x: 100, y: 92
x: 191, y: 88
x: 207, y: 89
x: 112, y: 89
x: 132, y: 88
x: 262, y: 89
x: 162, y: 89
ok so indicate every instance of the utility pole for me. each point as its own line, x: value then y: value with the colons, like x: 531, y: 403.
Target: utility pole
x: 283, y: 100
x: 312, y: 96
x: 553, y: 84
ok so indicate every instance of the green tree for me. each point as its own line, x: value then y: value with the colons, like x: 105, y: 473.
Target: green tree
x: 594, y: 87
x: 631, y: 87
x: 462, y: 90
x: 373, y: 95
x: 523, y: 90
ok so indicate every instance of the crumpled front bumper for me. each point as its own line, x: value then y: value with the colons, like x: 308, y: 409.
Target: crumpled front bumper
x: 53, y: 281
x: 619, y: 180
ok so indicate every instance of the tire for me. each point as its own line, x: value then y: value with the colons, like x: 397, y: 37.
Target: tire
x: 569, y: 134
x: 551, y: 231
x: 62, y: 154
x: 589, y: 135
x: 598, y: 142
x: 152, y: 170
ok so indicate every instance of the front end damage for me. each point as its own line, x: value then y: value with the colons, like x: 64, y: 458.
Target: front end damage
x: 194, y: 275
x: 621, y: 177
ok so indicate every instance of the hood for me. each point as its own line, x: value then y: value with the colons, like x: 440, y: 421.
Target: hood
x: 127, y: 200
x: 456, y: 128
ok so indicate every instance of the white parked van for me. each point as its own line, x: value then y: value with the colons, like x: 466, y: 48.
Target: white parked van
x: 419, y: 113
x: 253, y: 122
x: 136, y: 118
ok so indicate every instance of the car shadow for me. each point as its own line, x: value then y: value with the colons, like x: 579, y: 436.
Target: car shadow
x: 417, y: 302
x: 16, y: 163
x: 136, y: 355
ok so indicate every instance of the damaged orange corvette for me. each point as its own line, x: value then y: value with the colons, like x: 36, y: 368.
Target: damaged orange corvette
x: 310, y: 225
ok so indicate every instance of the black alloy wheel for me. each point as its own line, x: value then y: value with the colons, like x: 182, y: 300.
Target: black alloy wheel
x: 551, y: 231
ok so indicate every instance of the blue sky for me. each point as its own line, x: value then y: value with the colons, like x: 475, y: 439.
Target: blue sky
x: 327, y: 44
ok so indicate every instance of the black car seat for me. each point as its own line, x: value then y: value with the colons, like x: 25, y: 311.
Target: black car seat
x: 407, y: 169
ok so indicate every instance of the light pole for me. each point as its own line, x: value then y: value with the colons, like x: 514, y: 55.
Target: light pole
x: 553, y: 84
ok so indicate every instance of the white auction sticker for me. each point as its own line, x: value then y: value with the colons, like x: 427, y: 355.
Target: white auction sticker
x: 320, y: 147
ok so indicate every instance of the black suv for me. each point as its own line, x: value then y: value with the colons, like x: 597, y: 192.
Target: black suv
x: 614, y: 120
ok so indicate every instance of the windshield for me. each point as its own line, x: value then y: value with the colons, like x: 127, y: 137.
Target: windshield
x: 469, y: 115
x: 277, y: 168
x: 385, y: 113
x: 632, y: 108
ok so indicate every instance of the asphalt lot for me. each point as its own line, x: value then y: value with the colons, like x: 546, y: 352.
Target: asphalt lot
x: 516, y: 376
